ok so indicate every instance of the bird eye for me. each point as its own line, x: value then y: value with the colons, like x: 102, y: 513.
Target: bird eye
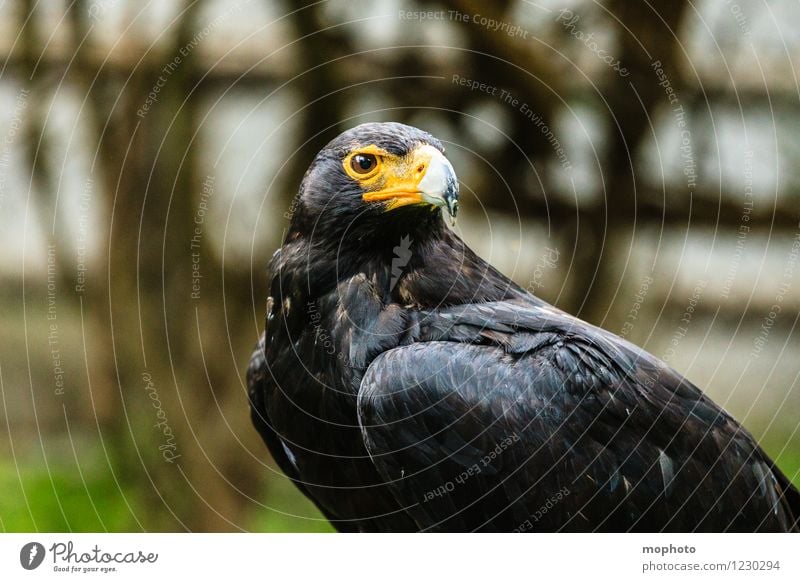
x: 363, y: 163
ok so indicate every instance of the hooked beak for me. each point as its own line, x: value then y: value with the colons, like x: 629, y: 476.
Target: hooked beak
x: 426, y: 177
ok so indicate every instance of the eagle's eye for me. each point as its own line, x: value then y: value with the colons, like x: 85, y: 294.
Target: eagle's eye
x: 363, y: 163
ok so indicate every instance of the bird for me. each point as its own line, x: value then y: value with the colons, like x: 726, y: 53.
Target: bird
x: 403, y: 384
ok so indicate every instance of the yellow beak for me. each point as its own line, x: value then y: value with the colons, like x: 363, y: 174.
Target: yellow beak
x: 425, y: 177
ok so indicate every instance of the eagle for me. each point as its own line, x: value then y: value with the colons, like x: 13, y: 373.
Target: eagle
x: 404, y: 384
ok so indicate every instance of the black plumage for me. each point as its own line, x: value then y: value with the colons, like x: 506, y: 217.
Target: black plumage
x: 432, y: 393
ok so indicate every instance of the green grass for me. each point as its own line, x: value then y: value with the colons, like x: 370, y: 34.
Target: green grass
x: 789, y: 463
x: 35, y: 500
x: 289, y: 511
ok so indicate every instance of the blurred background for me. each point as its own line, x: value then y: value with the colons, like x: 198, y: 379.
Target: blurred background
x: 635, y: 163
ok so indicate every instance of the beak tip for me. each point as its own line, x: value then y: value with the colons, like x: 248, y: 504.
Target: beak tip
x: 452, y: 209
x: 451, y: 198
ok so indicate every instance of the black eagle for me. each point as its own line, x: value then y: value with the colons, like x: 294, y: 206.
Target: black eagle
x: 404, y: 384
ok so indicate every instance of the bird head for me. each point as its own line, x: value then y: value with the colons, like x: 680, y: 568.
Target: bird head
x: 374, y: 180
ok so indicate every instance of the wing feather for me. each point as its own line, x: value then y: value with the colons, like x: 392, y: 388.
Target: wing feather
x: 499, y: 416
